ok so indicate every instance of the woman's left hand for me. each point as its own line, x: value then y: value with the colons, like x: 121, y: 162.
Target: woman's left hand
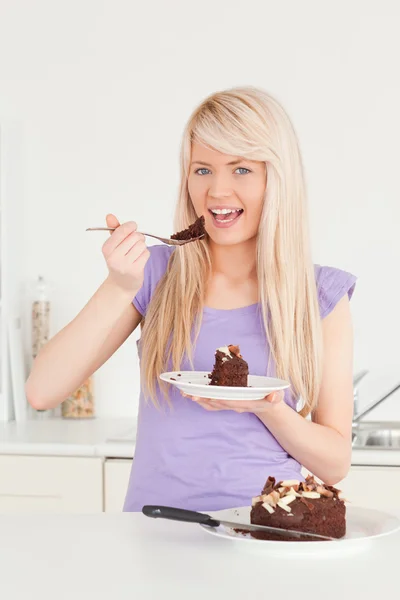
x: 253, y: 406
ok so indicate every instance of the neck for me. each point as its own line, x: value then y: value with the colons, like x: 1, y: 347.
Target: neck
x: 237, y: 262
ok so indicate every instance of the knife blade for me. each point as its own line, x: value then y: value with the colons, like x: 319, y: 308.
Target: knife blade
x: 190, y: 516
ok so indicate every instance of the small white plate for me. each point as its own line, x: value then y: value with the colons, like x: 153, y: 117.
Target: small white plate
x: 362, y: 524
x: 196, y: 383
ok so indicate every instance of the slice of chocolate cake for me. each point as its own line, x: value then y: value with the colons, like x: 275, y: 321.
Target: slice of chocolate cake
x: 305, y: 506
x: 229, y: 369
x: 194, y: 230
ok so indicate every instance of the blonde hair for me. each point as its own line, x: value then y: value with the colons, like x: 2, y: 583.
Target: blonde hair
x: 250, y: 123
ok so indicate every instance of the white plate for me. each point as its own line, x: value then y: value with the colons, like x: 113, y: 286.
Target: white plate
x: 363, y: 525
x: 196, y: 383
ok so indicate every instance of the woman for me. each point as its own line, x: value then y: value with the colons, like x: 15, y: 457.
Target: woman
x: 251, y: 282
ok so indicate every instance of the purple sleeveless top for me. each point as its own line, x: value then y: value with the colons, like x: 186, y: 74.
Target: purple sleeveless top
x: 192, y: 458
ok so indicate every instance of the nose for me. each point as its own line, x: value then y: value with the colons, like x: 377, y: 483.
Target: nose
x: 220, y: 187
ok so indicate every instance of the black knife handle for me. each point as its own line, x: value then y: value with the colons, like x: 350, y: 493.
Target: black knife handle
x: 179, y: 514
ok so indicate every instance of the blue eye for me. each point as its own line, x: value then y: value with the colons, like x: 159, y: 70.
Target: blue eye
x: 199, y: 171
x: 243, y: 169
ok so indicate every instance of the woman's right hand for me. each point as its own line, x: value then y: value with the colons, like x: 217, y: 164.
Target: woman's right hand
x: 126, y: 254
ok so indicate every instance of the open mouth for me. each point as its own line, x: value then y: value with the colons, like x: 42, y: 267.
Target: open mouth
x: 225, y: 216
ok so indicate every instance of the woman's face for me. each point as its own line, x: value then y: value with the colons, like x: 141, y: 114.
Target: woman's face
x: 229, y: 192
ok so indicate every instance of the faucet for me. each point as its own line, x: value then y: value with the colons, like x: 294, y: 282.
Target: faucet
x: 357, y: 416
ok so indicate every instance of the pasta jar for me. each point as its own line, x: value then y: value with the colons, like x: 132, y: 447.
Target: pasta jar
x: 40, y: 316
x: 80, y: 404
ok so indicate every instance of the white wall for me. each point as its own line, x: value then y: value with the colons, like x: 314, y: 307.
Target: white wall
x: 103, y: 89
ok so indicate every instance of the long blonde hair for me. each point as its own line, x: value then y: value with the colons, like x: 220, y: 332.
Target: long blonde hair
x: 250, y: 123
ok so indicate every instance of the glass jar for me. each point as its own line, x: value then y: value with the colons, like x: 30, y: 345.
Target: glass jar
x: 40, y: 316
x: 80, y: 404
x: 40, y: 326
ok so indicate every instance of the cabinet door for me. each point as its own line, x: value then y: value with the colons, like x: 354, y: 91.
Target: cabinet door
x: 48, y: 484
x: 372, y: 487
x: 116, y: 479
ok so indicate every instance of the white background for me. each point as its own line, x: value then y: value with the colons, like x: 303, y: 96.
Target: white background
x: 102, y: 90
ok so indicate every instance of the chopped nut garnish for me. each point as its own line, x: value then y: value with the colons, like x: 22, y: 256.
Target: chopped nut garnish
x: 284, y: 492
x: 290, y: 483
x: 275, y: 495
x: 311, y: 495
x: 270, y: 500
x: 324, y: 492
x: 268, y: 508
x: 287, y: 499
x: 284, y: 506
x: 256, y: 500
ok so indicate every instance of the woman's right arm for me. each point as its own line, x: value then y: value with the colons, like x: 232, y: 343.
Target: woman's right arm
x: 102, y: 326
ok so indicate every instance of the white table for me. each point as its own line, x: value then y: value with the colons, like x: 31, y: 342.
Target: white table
x: 128, y: 556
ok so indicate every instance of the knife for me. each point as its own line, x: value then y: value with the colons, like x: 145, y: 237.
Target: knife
x: 190, y: 516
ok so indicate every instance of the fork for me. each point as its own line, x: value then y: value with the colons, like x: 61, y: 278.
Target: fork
x: 164, y: 240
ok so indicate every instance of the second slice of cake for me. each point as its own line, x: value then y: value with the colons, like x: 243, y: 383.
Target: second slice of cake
x: 309, y: 506
x: 230, y: 369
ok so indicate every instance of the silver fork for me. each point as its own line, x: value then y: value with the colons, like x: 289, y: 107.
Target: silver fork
x: 164, y: 240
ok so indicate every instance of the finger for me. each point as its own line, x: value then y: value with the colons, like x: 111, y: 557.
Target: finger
x: 112, y: 221
x: 141, y: 261
x: 242, y: 406
x: 118, y: 236
x: 134, y: 241
x: 275, y: 397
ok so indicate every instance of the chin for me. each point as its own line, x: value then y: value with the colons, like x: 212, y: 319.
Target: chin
x: 222, y: 239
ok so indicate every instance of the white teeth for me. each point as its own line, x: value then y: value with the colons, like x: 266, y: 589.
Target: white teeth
x: 224, y: 211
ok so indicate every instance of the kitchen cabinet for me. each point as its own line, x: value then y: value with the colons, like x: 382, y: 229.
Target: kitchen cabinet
x: 49, y: 484
x: 373, y: 487
x: 38, y: 484
x: 367, y: 486
x: 116, y: 479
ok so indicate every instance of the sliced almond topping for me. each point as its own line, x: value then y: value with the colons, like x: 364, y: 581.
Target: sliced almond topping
x: 287, y: 499
x: 324, y: 492
x: 270, y: 500
x: 256, y: 499
x: 275, y: 496
x: 234, y: 350
x: 290, y: 483
x: 268, y: 508
x: 311, y: 495
x: 284, y: 506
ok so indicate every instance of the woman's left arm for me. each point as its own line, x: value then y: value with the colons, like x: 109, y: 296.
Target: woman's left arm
x: 323, y: 445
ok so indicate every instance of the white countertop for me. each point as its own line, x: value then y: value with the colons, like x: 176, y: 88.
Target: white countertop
x: 128, y: 556
x: 113, y: 438
x: 69, y: 437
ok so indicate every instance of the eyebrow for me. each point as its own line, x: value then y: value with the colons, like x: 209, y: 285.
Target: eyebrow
x: 204, y: 164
